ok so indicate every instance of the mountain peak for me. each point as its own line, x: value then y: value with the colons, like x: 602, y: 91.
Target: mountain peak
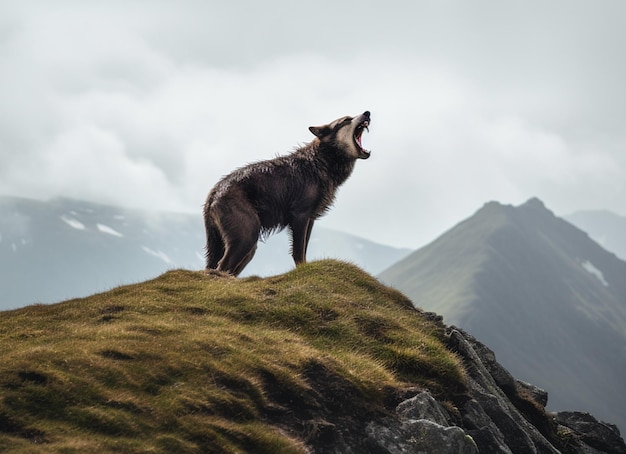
x: 528, y: 283
x: 532, y: 205
x: 534, y: 202
x: 537, y: 207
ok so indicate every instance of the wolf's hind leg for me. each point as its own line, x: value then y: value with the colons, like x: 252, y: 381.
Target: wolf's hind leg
x: 238, y: 254
x: 241, y: 235
x: 239, y: 268
x: 214, y: 246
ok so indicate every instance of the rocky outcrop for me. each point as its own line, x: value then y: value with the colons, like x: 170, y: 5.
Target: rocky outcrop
x: 601, y: 436
x: 498, y: 414
x: 423, y: 425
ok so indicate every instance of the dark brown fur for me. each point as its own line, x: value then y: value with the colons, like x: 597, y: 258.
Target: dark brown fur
x: 288, y: 191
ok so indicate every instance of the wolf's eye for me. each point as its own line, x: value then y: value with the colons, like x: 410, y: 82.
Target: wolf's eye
x: 347, y: 120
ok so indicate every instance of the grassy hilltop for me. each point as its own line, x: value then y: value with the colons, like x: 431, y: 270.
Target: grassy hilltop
x: 196, y: 362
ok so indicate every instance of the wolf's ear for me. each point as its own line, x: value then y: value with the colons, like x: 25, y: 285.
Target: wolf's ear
x: 319, y: 131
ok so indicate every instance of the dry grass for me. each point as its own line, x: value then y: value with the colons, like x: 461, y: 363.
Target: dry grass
x: 191, y: 362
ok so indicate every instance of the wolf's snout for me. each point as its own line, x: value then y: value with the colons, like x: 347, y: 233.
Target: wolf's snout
x: 366, y: 113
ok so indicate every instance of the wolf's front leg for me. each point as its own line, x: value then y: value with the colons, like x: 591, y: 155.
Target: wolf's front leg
x: 300, y: 234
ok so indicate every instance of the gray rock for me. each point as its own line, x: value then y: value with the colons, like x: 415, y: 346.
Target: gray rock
x: 599, y: 435
x: 539, y: 395
x: 420, y: 437
x: 489, y: 384
x: 423, y: 406
x: 482, y: 429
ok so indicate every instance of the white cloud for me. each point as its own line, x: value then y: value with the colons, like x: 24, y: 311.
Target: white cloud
x: 148, y: 105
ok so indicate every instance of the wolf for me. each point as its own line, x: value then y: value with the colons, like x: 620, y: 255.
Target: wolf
x: 288, y: 191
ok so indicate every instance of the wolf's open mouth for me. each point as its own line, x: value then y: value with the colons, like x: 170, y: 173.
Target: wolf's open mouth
x: 358, y: 132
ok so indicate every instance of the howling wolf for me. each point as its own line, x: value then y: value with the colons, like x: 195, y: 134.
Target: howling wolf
x: 288, y: 191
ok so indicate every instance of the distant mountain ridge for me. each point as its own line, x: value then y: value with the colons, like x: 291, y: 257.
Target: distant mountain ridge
x: 548, y: 299
x: 65, y: 248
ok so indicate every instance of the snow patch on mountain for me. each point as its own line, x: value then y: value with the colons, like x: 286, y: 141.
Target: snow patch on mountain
x: 590, y: 268
x: 158, y: 254
x: 108, y: 230
x: 73, y: 223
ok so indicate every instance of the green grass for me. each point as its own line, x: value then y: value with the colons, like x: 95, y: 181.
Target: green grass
x: 197, y: 362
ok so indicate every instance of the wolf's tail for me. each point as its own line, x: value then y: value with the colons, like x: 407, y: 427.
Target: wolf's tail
x: 214, y: 249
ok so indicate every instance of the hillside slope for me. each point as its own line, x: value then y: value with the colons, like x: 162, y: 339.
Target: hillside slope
x: 321, y: 359
x: 550, y: 301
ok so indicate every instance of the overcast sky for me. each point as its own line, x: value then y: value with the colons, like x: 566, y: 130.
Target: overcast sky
x: 148, y: 103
